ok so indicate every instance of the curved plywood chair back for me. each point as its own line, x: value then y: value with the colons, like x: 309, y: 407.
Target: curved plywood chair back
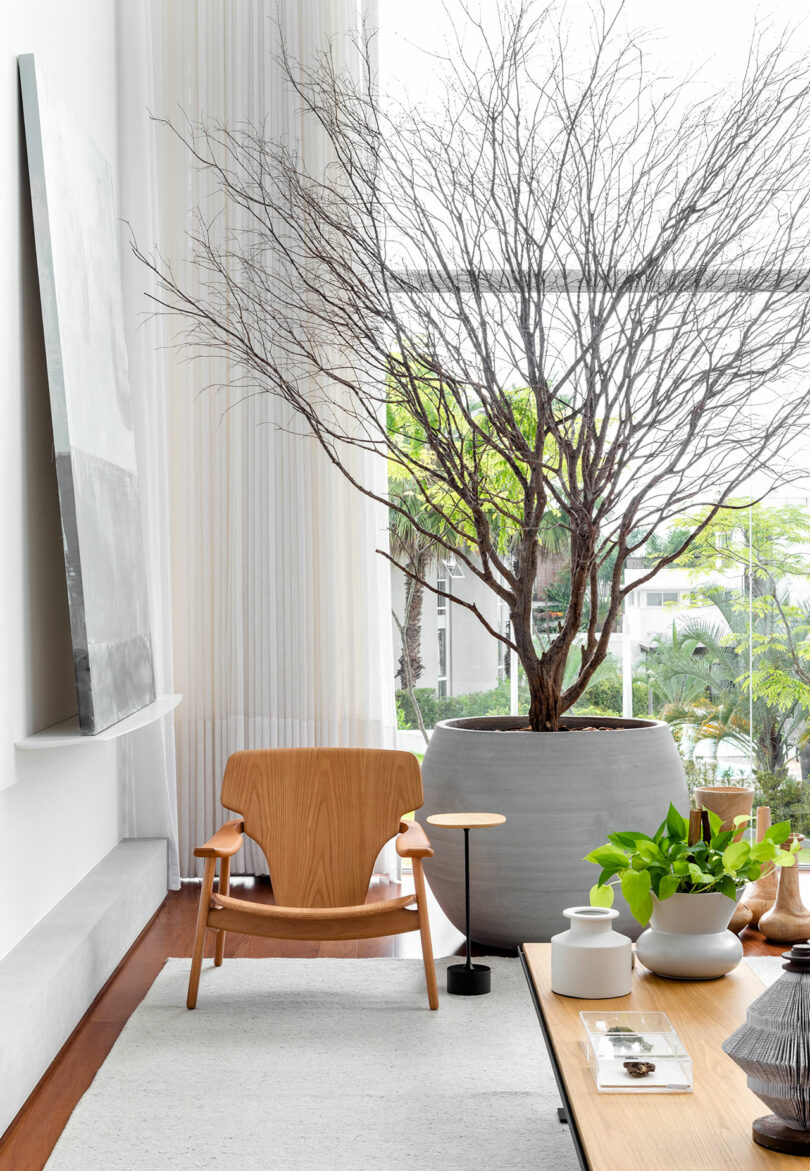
x: 321, y: 815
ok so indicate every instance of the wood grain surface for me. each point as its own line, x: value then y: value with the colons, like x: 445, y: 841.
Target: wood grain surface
x: 707, y: 1129
x: 466, y: 820
x: 321, y: 815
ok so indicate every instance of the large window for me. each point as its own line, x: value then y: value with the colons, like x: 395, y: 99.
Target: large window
x: 442, y: 636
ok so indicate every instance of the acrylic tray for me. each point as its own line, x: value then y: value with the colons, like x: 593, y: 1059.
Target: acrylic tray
x: 651, y: 1038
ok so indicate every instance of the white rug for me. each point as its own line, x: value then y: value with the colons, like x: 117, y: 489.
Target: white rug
x: 289, y: 1064
x: 767, y: 968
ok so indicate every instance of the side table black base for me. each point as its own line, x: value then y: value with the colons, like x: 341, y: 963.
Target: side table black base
x: 475, y: 980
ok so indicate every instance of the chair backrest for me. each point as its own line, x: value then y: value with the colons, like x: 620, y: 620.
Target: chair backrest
x: 321, y: 815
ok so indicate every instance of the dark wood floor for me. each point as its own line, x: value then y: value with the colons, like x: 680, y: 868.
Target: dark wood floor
x: 30, y: 1139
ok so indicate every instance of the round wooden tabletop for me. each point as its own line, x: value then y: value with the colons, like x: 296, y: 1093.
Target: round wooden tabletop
x: 466, y: 820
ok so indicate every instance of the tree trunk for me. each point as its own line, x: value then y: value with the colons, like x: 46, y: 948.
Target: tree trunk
x: 412, y: 636
x: 544, y: 703
x: 408, y: 680
x: 544, y: 677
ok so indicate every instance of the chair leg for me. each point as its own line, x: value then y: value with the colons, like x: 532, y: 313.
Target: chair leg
x: 223, y: 888
x: 199, y: 934
x: 424, y: 931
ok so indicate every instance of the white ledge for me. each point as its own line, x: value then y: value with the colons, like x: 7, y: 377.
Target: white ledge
x: 67, y: 733
x: 48, y: 980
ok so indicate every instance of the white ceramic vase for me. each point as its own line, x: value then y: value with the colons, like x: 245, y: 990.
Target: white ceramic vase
x: 590, y: 960
x: 688, y: 938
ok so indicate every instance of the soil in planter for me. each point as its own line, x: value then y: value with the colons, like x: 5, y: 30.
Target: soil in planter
x: 586, y: 729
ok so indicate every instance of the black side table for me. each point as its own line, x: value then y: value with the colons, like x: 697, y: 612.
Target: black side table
x: 467, y: 979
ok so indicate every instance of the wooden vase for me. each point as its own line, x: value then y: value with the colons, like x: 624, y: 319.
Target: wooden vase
x: 728, y: 802
x: 761, y: 895
x: 788, y: 920
x: 741, y: 918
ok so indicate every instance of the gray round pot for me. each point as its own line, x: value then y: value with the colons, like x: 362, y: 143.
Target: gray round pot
x: 562, y: 793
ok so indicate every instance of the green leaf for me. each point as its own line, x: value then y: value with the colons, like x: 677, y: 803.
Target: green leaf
x: 736, y: 855
x: 676, y: 826
x: 669, y: 884
x: 742, y: 819
x: 778, y: 833
x: 628, y: 839
x: 727, y: 886
x: 601, y: 896
x: 720, y: 841
x: 680, y: 867
x: 762, y: 851
x: 650, y: 852
x: 636, y: 886
x: 715, y: 821
x: 607, y: 856
x: 699, y: 877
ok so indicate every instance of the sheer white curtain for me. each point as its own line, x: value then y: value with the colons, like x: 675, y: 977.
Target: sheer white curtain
x: 146, y: 757
x: 281, y: 608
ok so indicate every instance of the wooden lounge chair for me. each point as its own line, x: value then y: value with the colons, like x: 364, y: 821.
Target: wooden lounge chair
x: 321, y: 816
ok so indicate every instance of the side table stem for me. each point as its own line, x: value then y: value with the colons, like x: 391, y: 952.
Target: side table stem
x: 467, y: 893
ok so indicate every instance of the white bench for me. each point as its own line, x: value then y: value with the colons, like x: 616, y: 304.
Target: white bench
x: 48, y: 981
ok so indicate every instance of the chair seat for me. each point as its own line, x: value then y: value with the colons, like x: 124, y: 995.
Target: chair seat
x: 369, y: 920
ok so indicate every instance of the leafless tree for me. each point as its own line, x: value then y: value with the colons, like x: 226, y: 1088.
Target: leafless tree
x: 575, y: 287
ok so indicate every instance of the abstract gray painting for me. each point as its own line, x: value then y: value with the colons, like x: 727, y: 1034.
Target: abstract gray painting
x: 76, y: 235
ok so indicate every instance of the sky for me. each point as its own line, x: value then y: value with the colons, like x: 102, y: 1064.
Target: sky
x: 713, y: 34
x: 708, y: 36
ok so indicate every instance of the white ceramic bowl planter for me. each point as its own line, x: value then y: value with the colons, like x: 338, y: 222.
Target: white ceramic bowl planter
x: 688, y: 938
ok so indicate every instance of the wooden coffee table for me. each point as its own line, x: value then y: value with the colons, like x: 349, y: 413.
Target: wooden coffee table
x: 707, y: 1130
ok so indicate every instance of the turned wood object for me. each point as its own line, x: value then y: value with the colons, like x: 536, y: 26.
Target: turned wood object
x: 728, y: 802
x: 761, y: 895
x: 788, y: 920
x: 741, y: 918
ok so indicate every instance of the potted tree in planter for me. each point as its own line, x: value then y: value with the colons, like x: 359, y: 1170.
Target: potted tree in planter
x: 571, y: 286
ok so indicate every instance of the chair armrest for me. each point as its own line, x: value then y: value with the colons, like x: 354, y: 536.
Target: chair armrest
x: 413, y: 841
x: 225, y: 842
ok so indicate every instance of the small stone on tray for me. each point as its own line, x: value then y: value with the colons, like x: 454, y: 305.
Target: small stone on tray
x: 639, y: 1068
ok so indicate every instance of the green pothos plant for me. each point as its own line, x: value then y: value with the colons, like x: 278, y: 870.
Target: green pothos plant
x: 668, y: 862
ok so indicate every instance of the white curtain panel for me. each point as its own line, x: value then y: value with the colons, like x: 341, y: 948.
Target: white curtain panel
x: 147, y: 757
x: 281, y: 608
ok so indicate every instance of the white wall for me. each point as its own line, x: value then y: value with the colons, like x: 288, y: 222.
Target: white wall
x: 59, y: 810
x: 473, y: 655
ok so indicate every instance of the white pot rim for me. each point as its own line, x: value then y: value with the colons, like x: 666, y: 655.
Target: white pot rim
x: 588, y: 914
x: 695, y: 894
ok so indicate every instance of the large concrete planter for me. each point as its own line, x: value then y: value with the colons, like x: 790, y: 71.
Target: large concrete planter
x: 562, y: 793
